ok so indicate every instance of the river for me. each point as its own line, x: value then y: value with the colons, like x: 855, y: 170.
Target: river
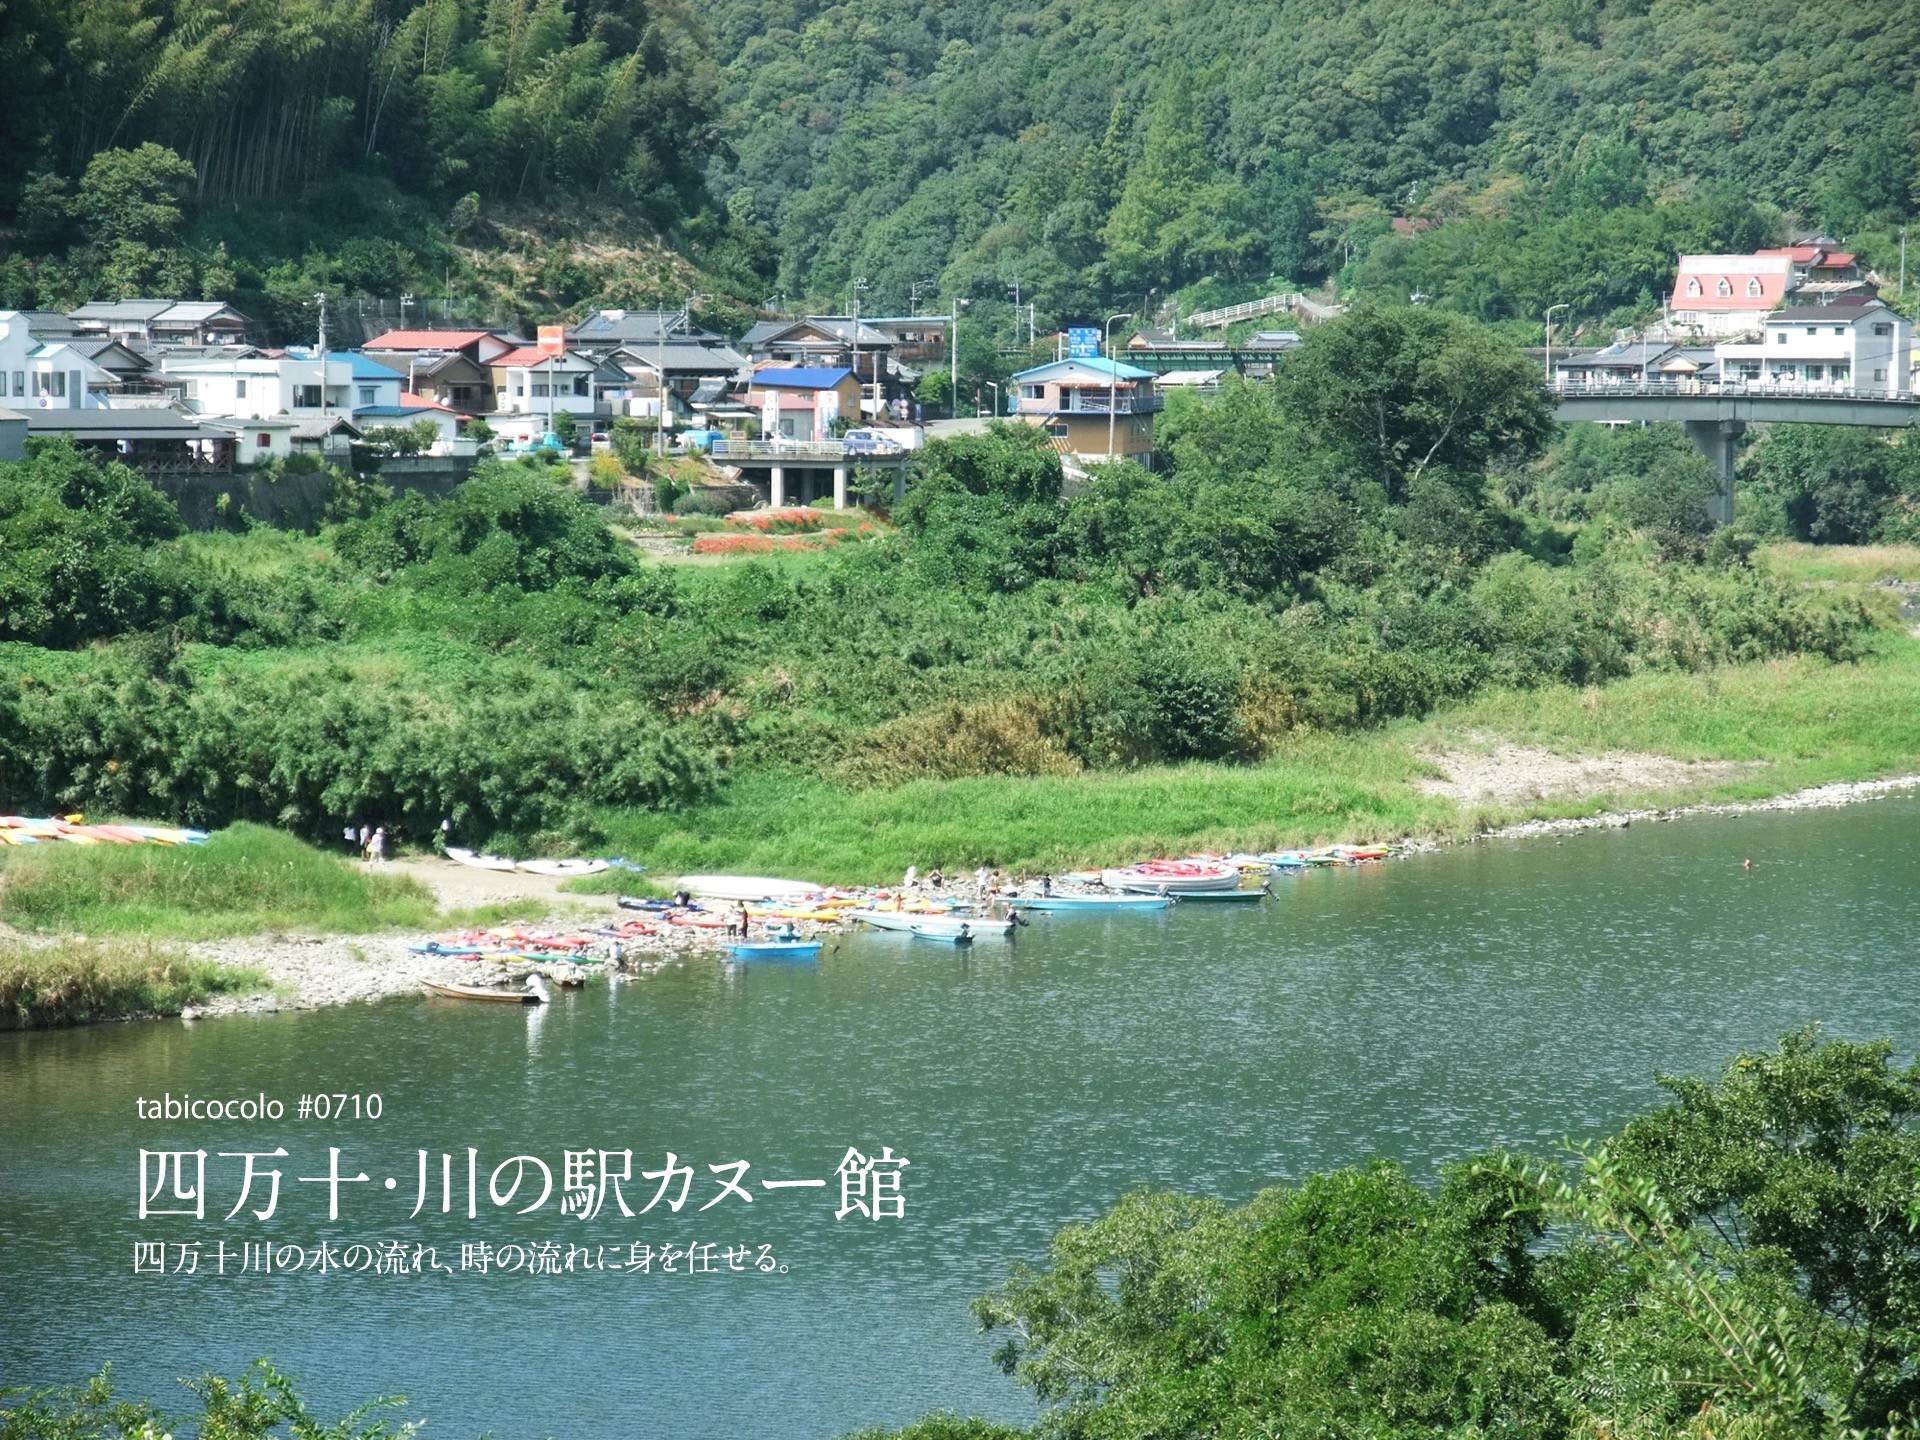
x: 1505, y: 993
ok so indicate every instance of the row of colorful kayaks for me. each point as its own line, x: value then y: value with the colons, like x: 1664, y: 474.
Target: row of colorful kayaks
x: 73, y: 830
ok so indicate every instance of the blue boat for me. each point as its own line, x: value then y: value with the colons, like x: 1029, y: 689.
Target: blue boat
x: 1242, y: 896
x: 1070, y: 902
x: 774, y: 949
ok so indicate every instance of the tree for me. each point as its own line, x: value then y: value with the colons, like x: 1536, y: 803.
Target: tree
x: 135, y: 196
x: 1401, y: 390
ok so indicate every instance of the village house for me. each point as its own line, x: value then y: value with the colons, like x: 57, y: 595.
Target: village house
x: 408, y: 411
x: 606, y: 330
x: 532, y: 381
x: 696, y: 375
x: 250, y: 384
x: 803, y: 402
x: 837, y: 342
x: 450, y: 367
x: 1728, y: 294
x: 1092, y: 408
x: 156, y: 324
x: 1858, y: 346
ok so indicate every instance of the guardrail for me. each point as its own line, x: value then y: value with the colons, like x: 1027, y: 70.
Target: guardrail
x: 1230, y: 314
x: 1722, y: 389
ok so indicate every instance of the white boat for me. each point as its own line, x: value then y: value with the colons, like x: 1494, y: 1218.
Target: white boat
x: 746, y: 887
x: 929, y: 926
x: 1174, y: 877
x: 478, y: 862
x: 562, y: 867
x: 1074, y: 902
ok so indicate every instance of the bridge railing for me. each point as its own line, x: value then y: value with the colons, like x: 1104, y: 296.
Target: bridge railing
x: 1711, y: 389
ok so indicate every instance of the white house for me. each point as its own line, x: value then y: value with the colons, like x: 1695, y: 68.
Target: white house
x: 529, y: 381
x: 255, y: 442
x: 257, y: 386
x: 411, y: 410
x: 1852, y: 346
x: 42, y: 369
x: 145, y: 323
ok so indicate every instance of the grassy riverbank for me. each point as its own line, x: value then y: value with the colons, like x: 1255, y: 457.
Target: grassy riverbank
x: 246, y: 880
x: 79, y: 982
x: 1795, y: 722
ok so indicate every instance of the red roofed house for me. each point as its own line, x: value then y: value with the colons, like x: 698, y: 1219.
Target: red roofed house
x: 446, y: 366
x: 529, y: 381
x: 1729, y: 294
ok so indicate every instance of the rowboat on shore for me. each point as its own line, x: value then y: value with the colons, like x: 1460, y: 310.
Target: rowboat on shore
x: 960, y: 935
x: 927, y: 926
x: 536, y: 992
x: 1242, y: 896
x: 562, y: 868
x: 1076, y: 903
x: 774, y: 949
x: 1174, y: 877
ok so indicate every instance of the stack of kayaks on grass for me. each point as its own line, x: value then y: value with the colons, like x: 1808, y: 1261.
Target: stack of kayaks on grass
x: 73, y: 830
x: 562, y: 868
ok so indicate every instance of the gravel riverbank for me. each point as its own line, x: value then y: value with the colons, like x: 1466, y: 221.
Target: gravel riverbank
x: 306, y: 972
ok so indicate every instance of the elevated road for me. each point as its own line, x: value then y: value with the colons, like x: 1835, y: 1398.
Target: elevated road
x: 1716, y: 415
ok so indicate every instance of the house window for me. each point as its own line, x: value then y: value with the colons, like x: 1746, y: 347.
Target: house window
x: 1693, y: 287
x: 262, y: 440
x: 540, y: 388
x: 460, y: 394
x: 1813, y: 329
x: 1032, y: 392
x: 19, y: 382
x: 580, y: 384
x: 1781, y: 338
x: 1839, y: 329
x: 366, y: 395
x: 1058, y: 429
x: 1840, y: 374
x: 1753, y: 288
x: 1724, y: 288
x: 1879, y: 374
x: 59, y: 379
x: 1883, y: 329
x: 1816, y: 372
x: 306, y: 397
x: 239, y: 389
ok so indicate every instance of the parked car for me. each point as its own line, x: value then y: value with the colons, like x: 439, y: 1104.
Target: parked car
x: 871, y: 442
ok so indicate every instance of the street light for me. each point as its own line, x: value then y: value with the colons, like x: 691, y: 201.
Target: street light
x: 1550, y: 309
x: 1113, y: 378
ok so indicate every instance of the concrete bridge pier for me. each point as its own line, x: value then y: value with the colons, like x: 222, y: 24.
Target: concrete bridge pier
x: 1718, y: 440
x: 900, y: 484
x: 839, y: 487
x: 779, y: 487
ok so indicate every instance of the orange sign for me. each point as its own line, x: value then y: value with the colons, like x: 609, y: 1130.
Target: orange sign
x: 552, y: 340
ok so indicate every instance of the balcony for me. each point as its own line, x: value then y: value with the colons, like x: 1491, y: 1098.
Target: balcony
x: 1095, y: 402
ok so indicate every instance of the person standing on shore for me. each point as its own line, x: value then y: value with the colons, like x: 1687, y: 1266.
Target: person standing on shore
x: 377, y: 846
x: 366, y: 840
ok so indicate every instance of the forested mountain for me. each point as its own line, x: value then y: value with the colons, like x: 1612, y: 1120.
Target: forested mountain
x: 1095, y: 153
x: 1096, y: 149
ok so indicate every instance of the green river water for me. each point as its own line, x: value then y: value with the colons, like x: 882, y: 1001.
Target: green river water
x: 1510, y: 993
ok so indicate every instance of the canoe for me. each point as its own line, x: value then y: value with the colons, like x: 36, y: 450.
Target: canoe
x: 912, y: 923
x: 1174, y: 877
x: 746, y: 887
x: 774, y: 949
x: 562, y: 867
x: 1076, y: 903
x: 478, y: 862
x: 486, y: 992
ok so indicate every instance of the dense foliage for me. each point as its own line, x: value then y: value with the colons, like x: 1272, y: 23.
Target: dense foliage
x: 261, y: 152
x: 1094, y: 150
x: 1373, y: 538
x: 1744, y: 1262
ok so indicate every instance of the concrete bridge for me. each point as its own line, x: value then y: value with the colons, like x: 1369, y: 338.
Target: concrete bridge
x: 1716, y: 415
x: 796, y: 472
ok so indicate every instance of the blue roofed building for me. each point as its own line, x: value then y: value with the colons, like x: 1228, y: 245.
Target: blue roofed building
x: 1092, y: 408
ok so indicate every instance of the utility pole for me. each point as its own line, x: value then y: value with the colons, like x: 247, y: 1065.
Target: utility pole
x: 1113, y: 379
x: 858, y: 286
x: 321, y: 301
x: 953, y: 357
x: 1903, y: 262
x: 1550, y: 309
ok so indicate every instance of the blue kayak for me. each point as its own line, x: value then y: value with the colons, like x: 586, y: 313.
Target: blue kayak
x: 774, y: 949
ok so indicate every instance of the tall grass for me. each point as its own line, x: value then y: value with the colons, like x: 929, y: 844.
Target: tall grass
x: 78, y: 982
x: 1803, y: 721
x: 245, y: 880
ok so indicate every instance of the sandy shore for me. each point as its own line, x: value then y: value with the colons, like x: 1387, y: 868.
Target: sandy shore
x: 311, y: 971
